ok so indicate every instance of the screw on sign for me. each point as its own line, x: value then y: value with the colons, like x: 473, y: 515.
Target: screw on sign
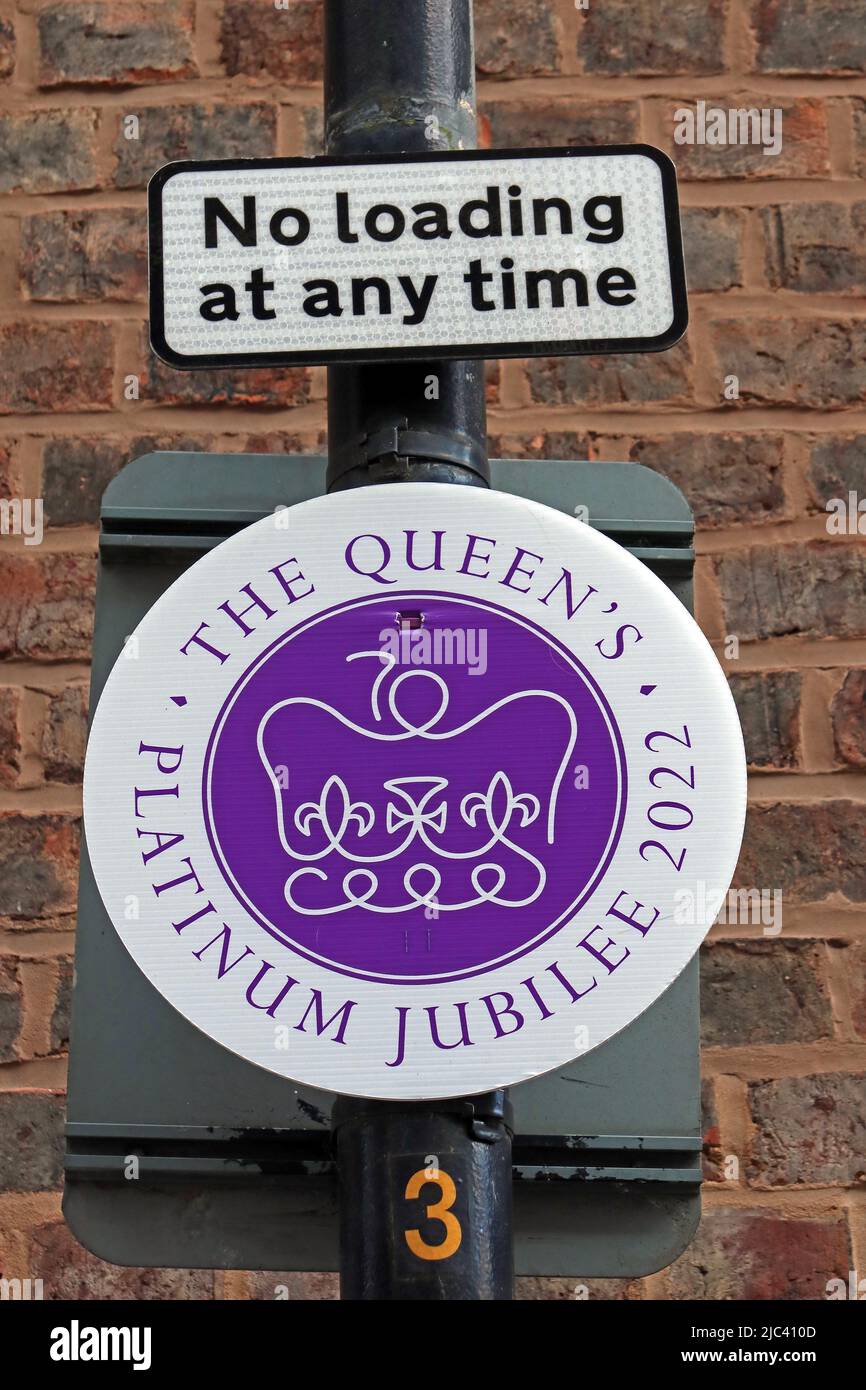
x: 427, y: 861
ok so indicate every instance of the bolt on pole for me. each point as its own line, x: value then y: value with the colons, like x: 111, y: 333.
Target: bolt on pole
x: 425, y: 1188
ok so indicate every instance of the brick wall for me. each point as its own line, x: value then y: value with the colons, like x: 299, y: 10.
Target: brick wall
x: 777, y: 264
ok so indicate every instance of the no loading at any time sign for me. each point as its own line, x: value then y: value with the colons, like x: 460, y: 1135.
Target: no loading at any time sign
x: 407, y: 792
x: 489, y: 254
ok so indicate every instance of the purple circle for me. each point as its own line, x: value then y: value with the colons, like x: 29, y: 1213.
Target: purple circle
x: 426, y: 810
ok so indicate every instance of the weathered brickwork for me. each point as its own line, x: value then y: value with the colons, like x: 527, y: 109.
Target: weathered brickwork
x: 759, y: 416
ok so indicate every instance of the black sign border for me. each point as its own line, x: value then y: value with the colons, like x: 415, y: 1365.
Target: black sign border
x: 533, y: 348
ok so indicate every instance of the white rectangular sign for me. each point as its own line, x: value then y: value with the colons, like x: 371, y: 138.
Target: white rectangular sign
x: 466, y: 254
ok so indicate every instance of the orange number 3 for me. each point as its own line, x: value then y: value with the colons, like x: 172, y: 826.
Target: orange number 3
x: 437, y: 1211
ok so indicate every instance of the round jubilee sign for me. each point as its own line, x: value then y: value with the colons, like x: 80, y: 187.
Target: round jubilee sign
x: 414, y: 791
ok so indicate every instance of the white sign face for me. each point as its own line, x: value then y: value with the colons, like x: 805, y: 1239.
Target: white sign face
x: 414, y: 791
x: 485, y: 254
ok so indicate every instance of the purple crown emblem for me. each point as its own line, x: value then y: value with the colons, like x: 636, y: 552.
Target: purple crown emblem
x: 405, y: 819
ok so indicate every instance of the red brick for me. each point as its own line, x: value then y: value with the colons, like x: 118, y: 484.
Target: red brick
x: 46, y: 605
x: 848, y: 713
x: 65, y: 734
x: 7, y: 49
x: 804, y: 153
x: 819, y: 363
x: 517, y: 124
x: 194, y: 131
x: 813, y: 36
x: 809, y: 850
x: 653, y: 37
x: 283, y: 442
x: 768, y: 703
x: 56, y: 366
x: 815, y: 248
x: 10, y: 475
x: 85, y: 256
x: 11, y: 1010
x: 259, y: 40
x: 812, y: 590
x: 10, y: 735
x: 713, y: 1158
x: 115, y: 43
x: 31, y: 1141
x: 492, y: 381
x: 274, y: 387
x: 516, y: 38
x: 48, y: 151
x: 540, y: 444
x: 854, y: 966
x: 729, y: 479
x: 858, y: 121
x: 637, y: 379
x: 713, y: 247
x: 69, y: 1272
x: 761, y: 1254
x: 38, y: 865
x: 76, y: 469
x: 763, y: 992
x: 62, y: 1007
x: 808, y: 1129
x: 837, y: 466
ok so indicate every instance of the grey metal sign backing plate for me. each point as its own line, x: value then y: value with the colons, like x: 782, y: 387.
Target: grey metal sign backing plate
x: 234, y: 1165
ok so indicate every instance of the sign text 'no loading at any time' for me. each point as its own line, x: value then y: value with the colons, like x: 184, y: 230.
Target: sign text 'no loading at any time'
x: 406, y: 783
x: 449, y: 255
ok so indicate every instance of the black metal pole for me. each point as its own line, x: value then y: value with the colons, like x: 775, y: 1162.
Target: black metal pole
x: 425, y: 1198
x: 425, y: 1188
x: 400, y: 79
